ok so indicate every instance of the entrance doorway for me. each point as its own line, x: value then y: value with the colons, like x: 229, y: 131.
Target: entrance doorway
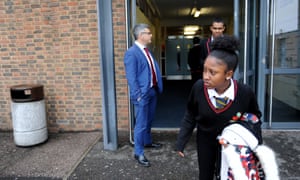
x: 269, y: 57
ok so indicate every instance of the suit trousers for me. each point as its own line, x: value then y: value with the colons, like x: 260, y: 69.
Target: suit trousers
x: 144, y: 115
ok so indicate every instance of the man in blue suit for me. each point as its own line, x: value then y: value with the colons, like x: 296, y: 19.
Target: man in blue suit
x: 145, y: 82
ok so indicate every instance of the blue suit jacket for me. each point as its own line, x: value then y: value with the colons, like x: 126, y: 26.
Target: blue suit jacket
x: 138, y: 73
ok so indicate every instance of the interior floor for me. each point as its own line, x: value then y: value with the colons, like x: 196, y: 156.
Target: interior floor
x: 171, y: 104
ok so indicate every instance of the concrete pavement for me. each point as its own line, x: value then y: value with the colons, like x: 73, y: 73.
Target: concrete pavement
x: 75, y: 156
x: 54, y: 159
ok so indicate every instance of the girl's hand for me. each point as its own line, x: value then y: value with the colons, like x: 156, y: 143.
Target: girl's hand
x: 181, y: 153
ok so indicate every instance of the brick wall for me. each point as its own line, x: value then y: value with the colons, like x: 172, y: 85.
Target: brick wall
x: 53, y: 43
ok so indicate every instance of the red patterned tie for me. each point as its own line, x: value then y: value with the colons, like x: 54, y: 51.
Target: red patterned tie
x: 152, y: 67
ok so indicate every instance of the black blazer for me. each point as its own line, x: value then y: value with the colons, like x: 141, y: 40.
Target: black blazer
x: 194, y: 58
x: 205, y: 48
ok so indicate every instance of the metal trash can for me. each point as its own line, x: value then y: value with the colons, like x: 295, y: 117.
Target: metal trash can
x: 28, y: 114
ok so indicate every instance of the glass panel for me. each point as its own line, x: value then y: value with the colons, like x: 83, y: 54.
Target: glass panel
x: 286, y: 50
x: 285, y: 98
x: 286, y: 37
x: 283, y: 82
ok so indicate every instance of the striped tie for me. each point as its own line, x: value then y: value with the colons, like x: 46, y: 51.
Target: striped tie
x: 221, y: 102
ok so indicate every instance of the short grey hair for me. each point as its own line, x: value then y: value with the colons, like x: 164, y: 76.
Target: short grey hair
x: 138, y: 28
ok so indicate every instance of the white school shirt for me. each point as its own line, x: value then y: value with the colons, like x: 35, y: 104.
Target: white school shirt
x: 229, y: 92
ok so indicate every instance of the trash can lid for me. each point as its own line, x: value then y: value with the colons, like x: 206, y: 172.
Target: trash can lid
x: 27, y: 92
x: 25, y: 86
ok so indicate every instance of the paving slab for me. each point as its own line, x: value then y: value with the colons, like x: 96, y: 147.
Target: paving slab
x: 54, y: 159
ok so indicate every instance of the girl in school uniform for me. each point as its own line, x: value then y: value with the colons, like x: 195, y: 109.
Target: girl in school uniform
x: 208, y: 113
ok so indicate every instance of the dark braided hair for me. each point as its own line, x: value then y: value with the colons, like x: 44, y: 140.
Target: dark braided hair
x: 226, y: 49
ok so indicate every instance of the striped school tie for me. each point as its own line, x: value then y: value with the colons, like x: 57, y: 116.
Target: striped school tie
x: 221, y: 102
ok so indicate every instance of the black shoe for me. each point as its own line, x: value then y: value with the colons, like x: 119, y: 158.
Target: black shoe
x: 142, y: 160
x: 153, y: 145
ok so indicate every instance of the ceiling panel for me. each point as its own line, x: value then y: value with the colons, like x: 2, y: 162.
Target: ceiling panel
x: 178, y: 12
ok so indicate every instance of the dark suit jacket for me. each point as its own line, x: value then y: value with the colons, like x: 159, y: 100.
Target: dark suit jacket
x: 205, y: 48
x: 194, y: 58
x: 138, y: 73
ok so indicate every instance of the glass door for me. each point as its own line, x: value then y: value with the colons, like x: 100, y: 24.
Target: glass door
x: 282, y: 68
x: 176, y: 64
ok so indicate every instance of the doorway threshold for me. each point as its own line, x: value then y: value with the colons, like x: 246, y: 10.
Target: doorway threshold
x: 178, y: 77
x: 164, y: 129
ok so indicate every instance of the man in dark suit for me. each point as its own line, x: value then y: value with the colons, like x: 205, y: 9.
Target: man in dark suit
x: 145, y: 82
x: 194, y: 60
x: 217, y: 29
